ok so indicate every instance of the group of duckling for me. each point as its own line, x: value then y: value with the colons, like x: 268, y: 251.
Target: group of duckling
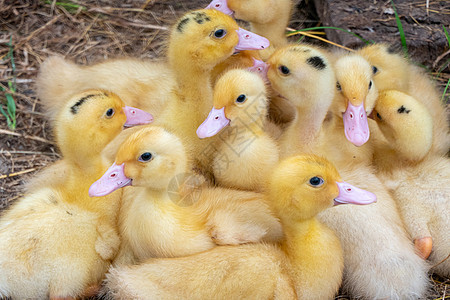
x: 225, y: 195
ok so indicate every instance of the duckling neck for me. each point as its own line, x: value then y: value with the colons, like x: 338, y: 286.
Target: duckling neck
x: 306, y: 125
x: 158, y: 197
x: 305, y: 239
x: 193, y: 79
x: 297, y: 232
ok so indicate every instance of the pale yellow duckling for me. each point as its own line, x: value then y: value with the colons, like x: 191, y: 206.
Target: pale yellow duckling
x: 380, y: 226
x: 308, y: 69
x: 245, y: 154
x: 266, y: 17
x: 57, y: 242
x: 307, y: 264
x: 151, y: 221
x: 394, y: 72
x: 417, y: 178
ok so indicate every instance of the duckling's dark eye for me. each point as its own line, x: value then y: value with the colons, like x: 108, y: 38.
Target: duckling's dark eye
x: 370, y: 84
x: 378, y: 116
x: 338, y: 86
x: 374, y: 70
x: 110, y: 112
x: 145, y: 157
x: 284, y: 70
x: 220, y: 33
x: 241, y: 98
x: 316, y: 181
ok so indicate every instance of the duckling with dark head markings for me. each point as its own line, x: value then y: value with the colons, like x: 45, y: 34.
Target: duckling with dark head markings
x: 206, y: 39
x: 245, y: 153
x: 308, y: 263
x: 416, y: 177
x: 151, y: 222
x: 394, y: 72
x: 385, y: 239
x: 308, y: 70
x: 55, y: 241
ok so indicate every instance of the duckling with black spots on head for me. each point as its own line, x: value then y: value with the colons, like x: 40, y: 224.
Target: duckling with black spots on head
x: 55, y: 241
x: 198, y: 41
x: 245, y: 153
x: 417, y: 177
x: 394, y: 72
x: 151, y: 222
x: 213, y: 37
x: 307, y: 264
x: 386, y: 241
x: 311, y: 99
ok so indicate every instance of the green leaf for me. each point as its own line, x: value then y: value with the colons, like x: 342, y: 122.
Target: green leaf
x: 447, y: 36
x: 400, y: 30
x: 445, y: 91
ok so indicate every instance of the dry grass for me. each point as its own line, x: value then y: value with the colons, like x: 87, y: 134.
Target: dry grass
x: 86, y: 32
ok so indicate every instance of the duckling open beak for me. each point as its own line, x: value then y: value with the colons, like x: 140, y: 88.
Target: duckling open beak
x: 259, y: 67
x: 349, y: 194
x: 250, y: 41
x: 136, y: 116
x: 220, y: 5
x: 356, y: 125
x: 113, y: 179
x: 213, y: 124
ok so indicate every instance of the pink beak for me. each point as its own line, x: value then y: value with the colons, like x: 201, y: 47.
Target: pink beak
x: 259, y: 67
x: 136, y: 116
x: 213, y: 124
x: 356, y: 125
x: 250, y: 41
x: 220, y: 5
x: 349, y: 194
x: 113, y: 179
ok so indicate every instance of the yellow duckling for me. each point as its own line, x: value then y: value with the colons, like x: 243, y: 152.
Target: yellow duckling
x: 266, y: 17
x: 394, y: 72
x: 198, y: 42
x: 306, y: 68
x: 153, y: 224
x: 245, y: 154
x: 55, y: 241
x: 385, y: 239
x: 307, y: 264
x: 416, y: 177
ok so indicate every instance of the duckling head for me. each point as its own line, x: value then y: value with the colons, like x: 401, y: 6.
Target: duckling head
x: 405, y: 122
x: 303, y: 75
x: 302, y: 186
x: 390, y: 67
x: 355, y: 97
x: 150, y: 157
x: 239, y: 100
x: 91, y: 119
x: 207, y: 37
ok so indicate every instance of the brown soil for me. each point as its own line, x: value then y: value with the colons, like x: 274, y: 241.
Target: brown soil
x: 100, y: 29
